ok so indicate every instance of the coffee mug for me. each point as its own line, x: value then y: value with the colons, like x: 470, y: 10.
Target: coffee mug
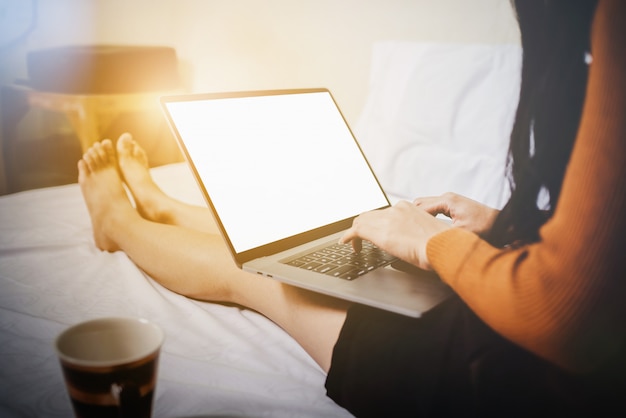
x: 110, y: 366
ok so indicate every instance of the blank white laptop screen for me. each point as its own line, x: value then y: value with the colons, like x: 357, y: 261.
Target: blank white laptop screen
x: 276, y: 166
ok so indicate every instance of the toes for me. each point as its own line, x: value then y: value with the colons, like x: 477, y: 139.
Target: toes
x: 108, y: 152
x: 125, y: 143
x: 101, y: 154
x: 127, y: 147
x: 88, y: 161
x: 83, y: 169
x: 98, y: 154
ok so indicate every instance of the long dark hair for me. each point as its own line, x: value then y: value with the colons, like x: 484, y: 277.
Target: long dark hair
x: 555, y: 43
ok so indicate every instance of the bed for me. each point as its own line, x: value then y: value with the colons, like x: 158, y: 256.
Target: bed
x: 436, y: 119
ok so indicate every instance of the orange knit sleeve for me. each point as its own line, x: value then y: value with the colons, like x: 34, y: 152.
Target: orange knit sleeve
x: 563, y: 297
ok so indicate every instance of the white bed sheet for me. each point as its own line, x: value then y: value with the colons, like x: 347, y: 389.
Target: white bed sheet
x: 216, y: 361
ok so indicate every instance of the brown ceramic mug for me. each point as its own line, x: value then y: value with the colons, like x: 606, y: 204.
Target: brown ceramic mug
x: 110, y: 366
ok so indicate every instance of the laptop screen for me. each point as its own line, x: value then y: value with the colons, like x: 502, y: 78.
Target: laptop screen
x: 274, y: 165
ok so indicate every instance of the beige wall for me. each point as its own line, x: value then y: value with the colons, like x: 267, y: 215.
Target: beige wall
x: 258, y: 44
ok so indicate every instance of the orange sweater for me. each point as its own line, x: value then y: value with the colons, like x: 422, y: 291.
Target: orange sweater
x: 564, y: 297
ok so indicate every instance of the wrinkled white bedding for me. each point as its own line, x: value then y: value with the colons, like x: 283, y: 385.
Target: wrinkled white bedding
x: 436, y: 119
x: 216, y: 361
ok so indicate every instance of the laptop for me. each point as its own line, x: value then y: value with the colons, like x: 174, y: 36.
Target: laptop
x: 284, y: 177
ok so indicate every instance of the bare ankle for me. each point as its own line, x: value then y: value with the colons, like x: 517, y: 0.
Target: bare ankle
x: 152, y: 203
x: 157, y: 214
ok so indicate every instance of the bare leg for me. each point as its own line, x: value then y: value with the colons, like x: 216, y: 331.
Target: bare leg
x: 196, y: 263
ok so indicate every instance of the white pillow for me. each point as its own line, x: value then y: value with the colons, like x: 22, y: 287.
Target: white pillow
x: 438, y: 118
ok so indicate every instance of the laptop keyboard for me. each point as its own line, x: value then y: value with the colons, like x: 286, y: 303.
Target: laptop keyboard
x: 340, y: 260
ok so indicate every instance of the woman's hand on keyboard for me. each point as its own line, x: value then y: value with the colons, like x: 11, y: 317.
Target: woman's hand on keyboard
x: 464, y: 212
x: 402, y: 230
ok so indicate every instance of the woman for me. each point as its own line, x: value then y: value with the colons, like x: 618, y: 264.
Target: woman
x: 537, y: 324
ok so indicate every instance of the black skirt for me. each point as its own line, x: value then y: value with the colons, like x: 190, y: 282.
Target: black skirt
x: 448, y: 363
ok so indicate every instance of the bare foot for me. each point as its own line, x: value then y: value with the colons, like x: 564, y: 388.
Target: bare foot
x: 152, y: 203
x: 104, y: 194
